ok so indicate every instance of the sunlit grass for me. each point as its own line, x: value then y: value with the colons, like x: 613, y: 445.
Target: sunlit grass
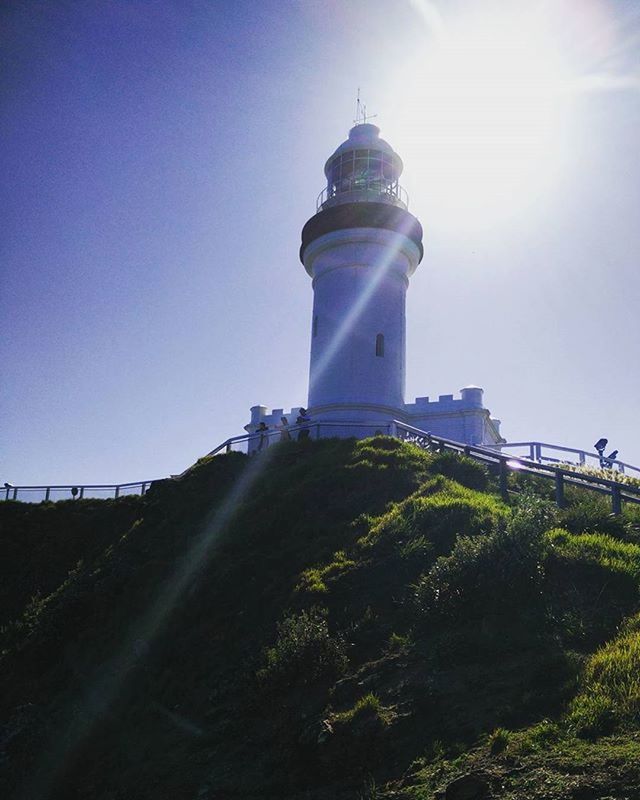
x: 610, y: 687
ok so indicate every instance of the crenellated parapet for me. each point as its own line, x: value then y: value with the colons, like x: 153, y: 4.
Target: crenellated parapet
x: 463, y: 418
x: 272, y: 419
x: 470, y: 397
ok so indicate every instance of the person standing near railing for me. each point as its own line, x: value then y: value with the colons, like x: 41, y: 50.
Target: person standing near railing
x: 285, y: 436
x: 303, y: 421
x: 264, y: 436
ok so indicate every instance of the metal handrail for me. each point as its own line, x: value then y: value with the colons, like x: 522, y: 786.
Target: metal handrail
x: 618, y: 492
x: 536, y: 454
x: 487, y: 453
x: 276, y: 433
x: 79, y: 491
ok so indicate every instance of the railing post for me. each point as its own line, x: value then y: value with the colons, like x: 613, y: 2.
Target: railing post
x: 117, y: 492
x: 583, y: 457
x: 15, y: 493
x: 504, y: 486
x: 560, y: 489
x: 47, y: 494
x: 142, y: 488
x: 467, y: 450
x: 616, y: 500
x: 228, y: 448
x: 532, y: 455
x: 538, y: 453
x: 81, y: 492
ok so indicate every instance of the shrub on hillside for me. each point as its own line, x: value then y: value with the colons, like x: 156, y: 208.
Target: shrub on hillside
x: 532, y: 515
x: 590, y: 513
x: 460, y: 468
x: 499, y: 574
x: 304, y: 651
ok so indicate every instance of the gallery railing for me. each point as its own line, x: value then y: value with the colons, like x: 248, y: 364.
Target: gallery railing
x: 365, y: 190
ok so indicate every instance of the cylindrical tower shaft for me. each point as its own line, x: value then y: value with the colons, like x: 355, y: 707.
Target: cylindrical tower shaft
x: 358, y: 329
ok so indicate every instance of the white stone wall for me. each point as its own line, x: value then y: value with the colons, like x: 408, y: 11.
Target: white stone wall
x: 360, y: 279
x: 462, y: 419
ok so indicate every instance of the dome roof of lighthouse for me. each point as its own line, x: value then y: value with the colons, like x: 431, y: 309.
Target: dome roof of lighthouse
x: 365, y: 136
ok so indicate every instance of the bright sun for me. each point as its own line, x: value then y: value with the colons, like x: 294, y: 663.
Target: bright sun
x: 481, y: 117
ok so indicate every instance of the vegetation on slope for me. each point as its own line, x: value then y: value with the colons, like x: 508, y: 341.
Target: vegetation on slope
x: 331, y: 619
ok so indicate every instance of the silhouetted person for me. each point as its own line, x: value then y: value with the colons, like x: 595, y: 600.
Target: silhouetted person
x: 285, y: 436
x: 599, y: 446
x: 264, y: 437
x: 303, y: 421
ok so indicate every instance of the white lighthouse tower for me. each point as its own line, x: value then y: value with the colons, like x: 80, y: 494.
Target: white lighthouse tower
x: 360, y: 249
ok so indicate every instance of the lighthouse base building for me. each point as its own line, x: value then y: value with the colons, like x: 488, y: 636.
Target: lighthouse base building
x: 461, y: 419
x: 360, y: 250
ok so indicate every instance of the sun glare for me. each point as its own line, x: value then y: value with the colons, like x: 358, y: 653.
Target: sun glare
x: 481, y: 117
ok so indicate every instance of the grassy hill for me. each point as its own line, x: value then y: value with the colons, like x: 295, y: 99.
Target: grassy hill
x: 330, y: 619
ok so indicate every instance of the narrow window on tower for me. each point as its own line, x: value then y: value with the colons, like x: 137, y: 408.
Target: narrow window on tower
x: 315, y: 325
x: 380, y: 345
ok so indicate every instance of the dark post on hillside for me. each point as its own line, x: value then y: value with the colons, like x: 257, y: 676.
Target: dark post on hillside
x: 504, y: 486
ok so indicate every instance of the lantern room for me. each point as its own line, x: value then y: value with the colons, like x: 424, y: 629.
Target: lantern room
x: 364, y: 168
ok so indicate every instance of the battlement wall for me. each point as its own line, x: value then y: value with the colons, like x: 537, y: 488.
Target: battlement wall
x: 470, y: 397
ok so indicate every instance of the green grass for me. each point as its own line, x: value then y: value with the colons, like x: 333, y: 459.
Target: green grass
x: 314, y: 580
x: 440, y: 511
x: 369, y: 705
x: 372, y: 620
x: 597, y: 548
x: 610, y: 688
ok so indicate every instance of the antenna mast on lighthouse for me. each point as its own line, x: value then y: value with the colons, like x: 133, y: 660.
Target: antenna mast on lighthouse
x: 361, y: 112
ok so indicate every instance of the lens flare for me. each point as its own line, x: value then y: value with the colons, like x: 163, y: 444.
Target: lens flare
x: 479, y: 119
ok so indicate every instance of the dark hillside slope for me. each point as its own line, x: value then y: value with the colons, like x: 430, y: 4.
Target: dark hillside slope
x: 333, y: 619
x: 43, y: 542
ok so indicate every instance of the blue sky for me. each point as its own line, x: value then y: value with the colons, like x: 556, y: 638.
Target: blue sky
x: 159, y: 160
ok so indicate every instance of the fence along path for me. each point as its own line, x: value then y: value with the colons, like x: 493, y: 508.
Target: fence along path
x: 620, y: 492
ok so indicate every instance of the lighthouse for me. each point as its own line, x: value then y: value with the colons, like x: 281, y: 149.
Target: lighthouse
x: 360, y: 249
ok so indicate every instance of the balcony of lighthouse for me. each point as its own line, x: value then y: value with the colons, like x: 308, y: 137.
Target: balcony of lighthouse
x: 360, y: 190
